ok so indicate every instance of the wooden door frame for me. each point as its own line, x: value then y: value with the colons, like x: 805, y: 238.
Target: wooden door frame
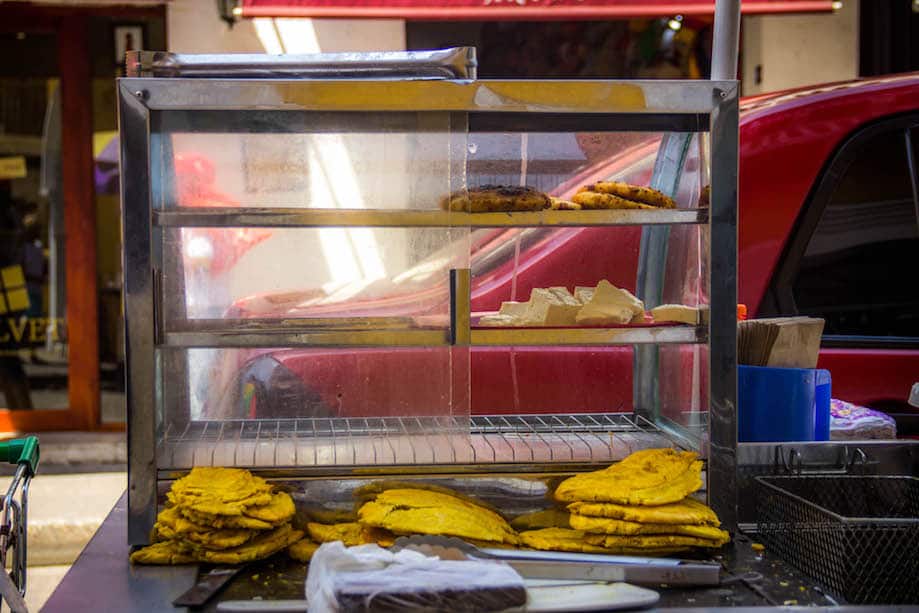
x: 71, y: 24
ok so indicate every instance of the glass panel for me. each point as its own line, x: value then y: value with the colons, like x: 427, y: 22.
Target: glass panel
x: 683, y: 387
x: 560, y: 162
x: 350, y: 161
x: 33, y: 339
x: 309, y: 382
x: 569, y: 380
x: 858, y: 271
x: 312, y: 273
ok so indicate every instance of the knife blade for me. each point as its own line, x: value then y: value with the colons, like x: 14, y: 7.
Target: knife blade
x: 208, y: 584
x: 686, y: 574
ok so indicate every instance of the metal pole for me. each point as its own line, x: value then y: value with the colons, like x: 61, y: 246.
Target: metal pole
x: 722, y: 461
x: 725, y: 40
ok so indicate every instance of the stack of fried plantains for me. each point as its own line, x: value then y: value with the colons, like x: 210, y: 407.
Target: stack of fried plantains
x: 391, y: 509
x: 639, y: 506
x: 616, y: 195
x: 220, y: 516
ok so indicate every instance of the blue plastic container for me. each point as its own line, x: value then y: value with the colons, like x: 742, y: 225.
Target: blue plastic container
x: 783, y: 404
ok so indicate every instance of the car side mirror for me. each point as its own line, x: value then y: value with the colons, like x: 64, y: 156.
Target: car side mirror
x: 914, y: 395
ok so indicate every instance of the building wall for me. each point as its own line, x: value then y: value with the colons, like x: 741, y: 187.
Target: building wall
x: 795, y: 50
x: 322, y: 170
x: 194, y: 26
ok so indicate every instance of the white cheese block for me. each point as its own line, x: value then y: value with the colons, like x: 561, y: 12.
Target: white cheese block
x: 564, y: 296
x: 610, y: 305
x: 583, y: 294
x: 499, y: 320
x: 513, y: 309
x: 547, y: 308
x: 676, y: 313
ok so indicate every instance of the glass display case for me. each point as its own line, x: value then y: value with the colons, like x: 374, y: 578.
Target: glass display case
x: 308, y: 295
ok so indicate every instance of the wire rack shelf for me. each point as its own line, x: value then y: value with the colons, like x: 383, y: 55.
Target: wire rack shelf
x: 406, y: 441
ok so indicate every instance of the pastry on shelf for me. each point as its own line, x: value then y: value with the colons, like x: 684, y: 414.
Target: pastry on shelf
x: 497, y: 198
x: 617, y: 195
x: 560, y: 204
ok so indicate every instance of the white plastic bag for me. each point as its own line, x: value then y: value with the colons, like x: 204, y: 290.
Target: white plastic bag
x: 405, y: 578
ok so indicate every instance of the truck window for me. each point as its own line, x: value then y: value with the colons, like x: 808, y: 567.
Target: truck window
x: 859, y: 269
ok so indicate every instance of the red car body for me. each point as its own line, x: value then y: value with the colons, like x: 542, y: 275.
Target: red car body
x: 786, y: 141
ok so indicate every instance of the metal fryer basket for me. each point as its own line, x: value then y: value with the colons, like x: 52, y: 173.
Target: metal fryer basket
x: 857, y: 535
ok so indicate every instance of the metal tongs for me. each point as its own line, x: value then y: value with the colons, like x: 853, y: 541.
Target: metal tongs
x: 573, y: 566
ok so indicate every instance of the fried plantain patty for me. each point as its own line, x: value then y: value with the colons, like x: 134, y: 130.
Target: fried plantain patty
x: 495, y: 198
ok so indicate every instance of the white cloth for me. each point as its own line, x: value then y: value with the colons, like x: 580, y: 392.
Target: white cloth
x: 334, y: 566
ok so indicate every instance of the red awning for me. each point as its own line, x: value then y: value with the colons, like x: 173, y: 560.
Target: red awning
x: 490, y: 10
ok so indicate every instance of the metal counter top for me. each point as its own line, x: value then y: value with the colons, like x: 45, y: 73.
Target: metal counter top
x: 103, y: 579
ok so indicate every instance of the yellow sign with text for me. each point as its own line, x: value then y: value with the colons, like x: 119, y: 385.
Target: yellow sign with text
x: 13, y: 167
x: 20, y: 332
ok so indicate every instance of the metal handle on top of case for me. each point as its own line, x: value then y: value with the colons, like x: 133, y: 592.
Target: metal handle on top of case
x: 21, y: 451
x: 437, y: 64
x: 460, y: 306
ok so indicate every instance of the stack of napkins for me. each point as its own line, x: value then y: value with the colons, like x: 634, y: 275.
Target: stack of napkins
x: 780, y: 342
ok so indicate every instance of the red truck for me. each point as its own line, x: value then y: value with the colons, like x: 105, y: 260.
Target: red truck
x: 828, y: 226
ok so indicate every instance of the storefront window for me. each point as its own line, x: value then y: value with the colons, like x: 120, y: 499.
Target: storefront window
x: 33, y: 335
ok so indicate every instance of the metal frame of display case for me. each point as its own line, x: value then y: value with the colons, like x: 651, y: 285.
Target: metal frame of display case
x: 546, y: 443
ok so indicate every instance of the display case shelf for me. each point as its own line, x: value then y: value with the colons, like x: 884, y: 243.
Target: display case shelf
x: 639, y: 335
x: 282, y: 217
x: 360, y: 444
x: 394, y: 332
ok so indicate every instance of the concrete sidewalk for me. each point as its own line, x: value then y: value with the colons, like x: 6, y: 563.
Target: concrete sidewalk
x: 80, y: 477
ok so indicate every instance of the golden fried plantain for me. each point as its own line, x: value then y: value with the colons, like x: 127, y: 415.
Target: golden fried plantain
x: 302, y: 550
x: 219, y: 491
x: 224, y: 521
x: 654, y: 540
x: 636, y: 193
x: 562, y: 539
x: 348, y: 533
x: 172, y: 526
x: 602, y: 525
x: 560, y: 204
x: 164, y: 552
x: 371, y: 490
x: 279, y: 510
x: 494, y: 198
x: 594, y: 200
x: 380, y: 536
x: 649, y: 477
x: 686, y: 511
x: 262, y: 546
x: 547, y: 518
x: 414, y: 511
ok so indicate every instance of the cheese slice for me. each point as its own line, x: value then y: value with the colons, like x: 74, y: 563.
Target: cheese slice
x: 513, y: 309
x: 610, y: 305
x: 676, y: 313
x: 498, y: 319
x: 551, y: 307
x: 583, y: 294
